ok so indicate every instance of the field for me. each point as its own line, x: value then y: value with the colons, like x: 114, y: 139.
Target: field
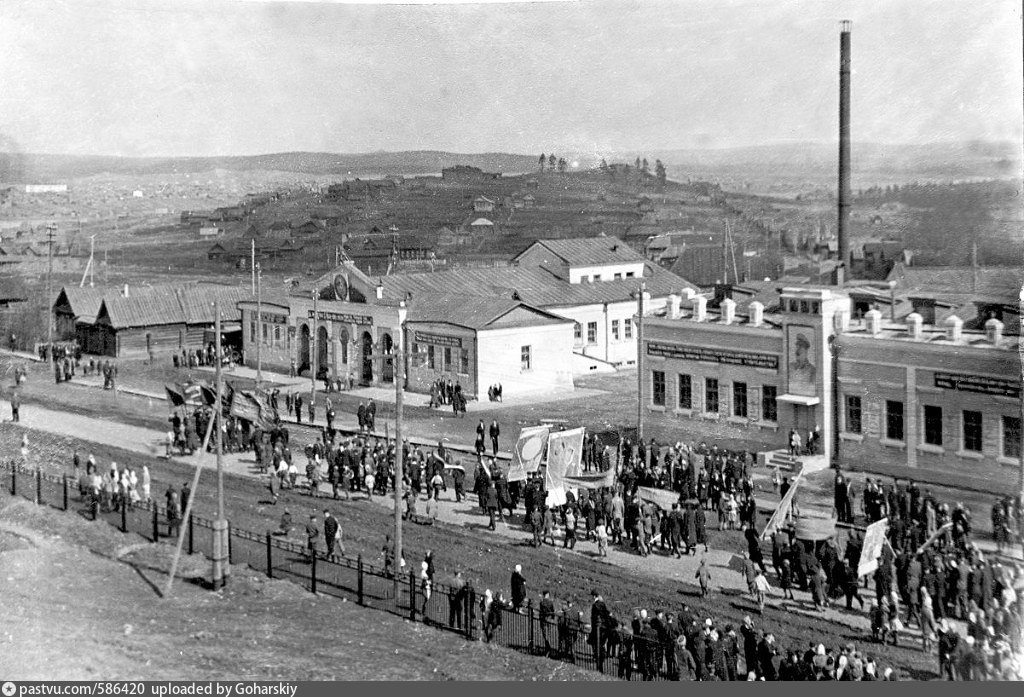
x: 81, y: 603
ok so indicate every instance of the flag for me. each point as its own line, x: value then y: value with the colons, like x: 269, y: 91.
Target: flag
x: 662, y: 498
x: 528, y: 452
x: 192, y: 392
x: 874, y: 539
x: 249, y: 407
x: 174, y: 396
x: 601, y: 480
x: 565, y: 450
x: 209, y: 395
x: 456, y: 466
x: 782, y: 511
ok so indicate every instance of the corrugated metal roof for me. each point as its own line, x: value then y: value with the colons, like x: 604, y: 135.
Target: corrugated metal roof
x: 590, y: 251
x: 171, y: 304
x: 1000, y: 281
x: 535, y: 286
x: 477, y: 313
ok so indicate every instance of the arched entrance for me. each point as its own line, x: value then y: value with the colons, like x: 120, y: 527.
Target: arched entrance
x: 322, y: 364
x: 367, y: 358
x: 303, y: 362
x: 344, y: 346
x: 387, y: 373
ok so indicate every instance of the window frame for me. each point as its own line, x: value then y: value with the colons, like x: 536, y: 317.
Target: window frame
x: 928, y: 425
x: 685, y: 389
x: 979, y: 436
x: 851, y: 424
x: 890, y: 422
x: 526, y: 358
x: 708, y: 392
x: 658, y: 388
x: 1005, y: 434
x: 591, y: 332
x: 615, y: 330
x: 739, y: 400
x: 769, y: 405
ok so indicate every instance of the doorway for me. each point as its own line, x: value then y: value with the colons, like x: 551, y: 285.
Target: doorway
x: 303, y: 361
x: 322, y: 365
x: 387, y: 373
x: 367, y: 377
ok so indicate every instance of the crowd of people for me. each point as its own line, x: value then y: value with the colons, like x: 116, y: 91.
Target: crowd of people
x: 446, y: 392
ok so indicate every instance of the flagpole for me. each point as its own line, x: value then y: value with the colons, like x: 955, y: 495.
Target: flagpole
x: 221, y: 543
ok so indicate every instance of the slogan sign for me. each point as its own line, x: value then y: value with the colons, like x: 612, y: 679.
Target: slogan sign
x: 565, y: 450
x: 697, y: 353
x: 273, y: 319
x: 437, y: 339
x: 346, y: 317
x: 874, y: 540
x: 977, y: 383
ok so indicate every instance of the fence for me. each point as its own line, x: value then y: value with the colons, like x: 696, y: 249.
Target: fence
x: 561, y: 637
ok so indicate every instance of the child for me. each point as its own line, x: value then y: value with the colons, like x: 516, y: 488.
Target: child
x: 786, y: 580
x: 602, y: 538
x: 733, y: 513
x: 703, y: 576
x: 761, y: 588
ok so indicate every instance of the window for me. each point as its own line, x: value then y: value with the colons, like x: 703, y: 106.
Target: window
x: 415, y: 348
x: 252, y: 331
x: 628, y: 326
x: 277, y: 336
x: 526, y: 358
x: 739, y: 399
x: 815, y: 308
x: 711, y: 396
x: 972, y: 431
x: 1011, y: 437
x: 769, y: 409
x: 630, y: 274
x: 464, y: 361
x: 685, y: 392
x: 933, y: 425
x: 853, y: 422
x: 447, y: 358
x: 803, y: 307
x: 591, y: 332
x: 431, y: 361
x: 618, y: 277
x: 615, y: 330
x: 658, y: 388
x: 893, y: 420
x: 265, y: 331
x: 577, y: 333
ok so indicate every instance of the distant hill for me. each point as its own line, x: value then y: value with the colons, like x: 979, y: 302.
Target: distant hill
x: 30, y: 167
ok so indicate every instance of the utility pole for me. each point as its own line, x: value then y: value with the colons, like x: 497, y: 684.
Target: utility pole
x: 221, y: 567
x: 312, y: 342
x: 399, y: 376
x: 50, y: 230
x: 259, y: 326
x: 88, y: 267
x: 252, y: 263
x: 640, y: 362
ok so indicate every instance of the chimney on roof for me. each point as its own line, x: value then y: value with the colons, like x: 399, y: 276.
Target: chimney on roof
x: 673, y: 306
x: 954, y: 328
x: 994, y: 331
x: 700, y: 308
x: 380, y: 289
x: 841, y: 321
x: 845, y: 189
x: 756, y: 314
x: 125, y: 293
x: 688, y: 293
x: 873, y: 322
x: 914, y: 322
x: 728, y: 308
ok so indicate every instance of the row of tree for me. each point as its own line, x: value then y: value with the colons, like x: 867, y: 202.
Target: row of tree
x: 552, y: 162
x: 641, y: 165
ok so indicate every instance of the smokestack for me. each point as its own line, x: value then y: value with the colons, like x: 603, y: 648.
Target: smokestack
x: 844, y: 142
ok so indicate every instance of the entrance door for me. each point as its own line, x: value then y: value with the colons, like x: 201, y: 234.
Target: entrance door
x: 387, y: 373
x: 303, y: 357
x: 367, y: 358
x: 322, y: 364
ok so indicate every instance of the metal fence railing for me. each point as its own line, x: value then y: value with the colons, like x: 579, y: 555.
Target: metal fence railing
x: 459, y: 610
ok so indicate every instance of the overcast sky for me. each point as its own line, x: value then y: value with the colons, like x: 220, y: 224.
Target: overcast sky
x: 220, y: 77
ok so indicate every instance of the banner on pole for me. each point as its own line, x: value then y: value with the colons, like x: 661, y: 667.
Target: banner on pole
x: 565, y: 451
x: 528, y: 452
x: 874, y: 540
x: 555, y: 497
x: 781, y: 513
x: 660, y: 497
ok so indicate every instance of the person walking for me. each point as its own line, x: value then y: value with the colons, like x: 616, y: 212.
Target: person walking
x: 15, y: 407
x: 312, y: 533
x: 332, y: 535
x: 518, y: 584
x: 494, y: 431
x: 703, y: 576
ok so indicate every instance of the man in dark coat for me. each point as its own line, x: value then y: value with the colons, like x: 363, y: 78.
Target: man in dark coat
x: 766, y: 652
x: 749, y: 635
x: 600, y: 623
x: 518, y: 588
x: 312, y: 533
x: 700, y: 527
x: 547, y: 620
x: 331, y: 528
x: 494, y: 431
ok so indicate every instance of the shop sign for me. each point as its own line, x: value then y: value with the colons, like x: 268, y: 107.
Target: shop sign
x: 699, y: 353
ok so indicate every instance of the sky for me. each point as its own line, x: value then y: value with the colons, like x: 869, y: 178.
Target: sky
x: 241, y: 77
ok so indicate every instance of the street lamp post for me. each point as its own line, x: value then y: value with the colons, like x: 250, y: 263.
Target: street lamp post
x: 221, y: 565
x: 399, y: 378
x: 259, y: 324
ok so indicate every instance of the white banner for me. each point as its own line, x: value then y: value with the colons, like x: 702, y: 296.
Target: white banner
x: 555, y: 497
x: 528, y: 452
x: 778, y: 518
x: 874, y: 540
x: 565, y: 452
x: 664, y: 499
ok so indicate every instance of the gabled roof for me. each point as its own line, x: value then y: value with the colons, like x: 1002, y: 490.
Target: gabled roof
x: 956, y: 281
x: 83, y: 303
x: 170, y: 304
x: 479, y: 312
x: 588, y: 251
x: 536, y: 286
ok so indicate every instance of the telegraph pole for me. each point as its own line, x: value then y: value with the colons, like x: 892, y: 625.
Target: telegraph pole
x: 50, y: 230
x: 259, y: 324
x: 399, y: 376
x: 221, y: 567
x: 312, y: 342
x: 640, y: 363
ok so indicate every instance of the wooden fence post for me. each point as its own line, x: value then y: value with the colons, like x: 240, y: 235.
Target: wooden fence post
x: 124, y: 515
x: 312, y: 588
x: 191, y: 535
x: 412, y: 595
x: 39, y: 486
x: 156, y: 524
x: 65, y: 492
x: 359, y: 581
x: 270, y: 557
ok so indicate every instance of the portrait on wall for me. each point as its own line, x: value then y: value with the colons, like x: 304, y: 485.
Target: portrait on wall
x: 802, y: 361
